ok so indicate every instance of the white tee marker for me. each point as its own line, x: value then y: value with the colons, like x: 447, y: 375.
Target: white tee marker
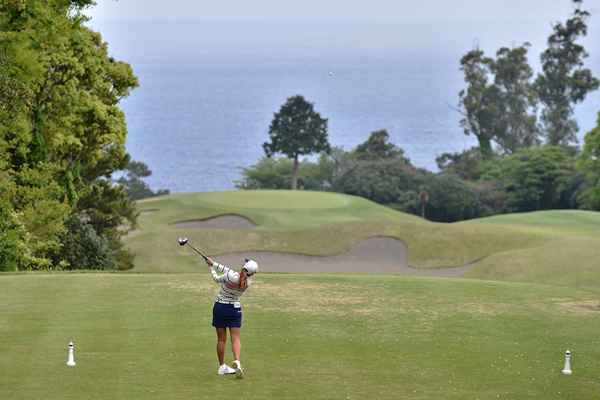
x: 567, y: 369
x: 71, y: 358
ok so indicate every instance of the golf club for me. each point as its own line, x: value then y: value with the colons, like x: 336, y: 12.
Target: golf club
x: 184, y: 241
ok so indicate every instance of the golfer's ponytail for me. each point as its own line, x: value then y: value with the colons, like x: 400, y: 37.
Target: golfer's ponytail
x: 243, y: 279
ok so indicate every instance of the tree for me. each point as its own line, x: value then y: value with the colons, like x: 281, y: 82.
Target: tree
x: 276, y: 173
x: 378, y: 147
x: 564, y: 81
x: 516, y: 127
x: 297, y: 129
x: 133, y: 184
x: 589, y: 164
x: 537, y: 178
x: 499, y: 104
x: 478, y: 103
x: 449, y: 198
x: 466, y: 164
x: 62, y: 133
x: 83, y: 248
x: 384, y: 181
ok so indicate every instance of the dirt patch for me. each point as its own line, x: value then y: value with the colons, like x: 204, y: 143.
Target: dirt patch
x: 226, y: 221
x: 379, y: 255
x: 582, y: 307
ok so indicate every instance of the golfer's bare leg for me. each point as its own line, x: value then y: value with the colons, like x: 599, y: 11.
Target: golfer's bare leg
x: 221, y: 342
x: 236, y: 345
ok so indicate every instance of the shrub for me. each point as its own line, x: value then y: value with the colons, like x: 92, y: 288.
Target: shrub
x: 83, y: 248
x: 381, y: 181
x: 450, y: 198
x: 534, y: 178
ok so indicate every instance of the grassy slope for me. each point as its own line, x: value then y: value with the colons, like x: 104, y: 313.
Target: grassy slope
x: 572, y: 258
x: 148, y: 336
x: 309, y: 223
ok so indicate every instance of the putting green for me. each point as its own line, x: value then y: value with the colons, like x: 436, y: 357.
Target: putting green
x: 272, y: 199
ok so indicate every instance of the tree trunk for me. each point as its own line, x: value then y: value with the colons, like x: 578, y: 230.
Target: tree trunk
x: 295, y: 173
x: 485, y: 147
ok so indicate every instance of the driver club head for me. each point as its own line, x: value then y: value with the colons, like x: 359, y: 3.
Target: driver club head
x: 182, y: 241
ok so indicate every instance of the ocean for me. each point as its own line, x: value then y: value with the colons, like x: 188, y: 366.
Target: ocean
x: 198, y: 121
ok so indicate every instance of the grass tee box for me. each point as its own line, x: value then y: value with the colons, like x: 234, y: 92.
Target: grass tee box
x: 148, y: 336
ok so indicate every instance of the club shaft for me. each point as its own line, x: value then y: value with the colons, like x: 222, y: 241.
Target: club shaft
x: 198, y: 251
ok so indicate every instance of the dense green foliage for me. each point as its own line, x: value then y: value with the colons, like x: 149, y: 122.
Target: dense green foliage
x: 466, y: 164
x: 468, y: 186
x: 84, y: 248
x: 589, y: 162
x: 62, y: 133
x: 534, y: 178
x: 133, y: 183
x: 501, y: 102
x: 297, y: 129
x: 564, y: 81
x: 276, y: 173
x: 379, y: 171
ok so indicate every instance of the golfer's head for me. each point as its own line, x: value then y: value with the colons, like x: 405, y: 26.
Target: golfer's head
x: 250, y: 266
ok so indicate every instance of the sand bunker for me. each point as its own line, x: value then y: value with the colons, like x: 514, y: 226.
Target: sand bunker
x: 382, y: 255
x: 226, y: 221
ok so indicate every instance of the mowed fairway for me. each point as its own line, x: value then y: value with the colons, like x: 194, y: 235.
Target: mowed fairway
x: 148, y: 336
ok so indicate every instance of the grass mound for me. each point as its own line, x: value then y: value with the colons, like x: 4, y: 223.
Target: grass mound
x: 560, y: 247
x: 309, y: 223
x: 555, y: 222
x: 569, y: 257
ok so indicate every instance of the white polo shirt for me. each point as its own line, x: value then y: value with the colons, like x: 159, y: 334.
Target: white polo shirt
x: 230, y: 280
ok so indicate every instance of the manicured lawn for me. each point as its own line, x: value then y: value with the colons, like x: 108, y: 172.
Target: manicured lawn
x: 308, y: 223
x: 148, y: 336
x: 571, y: 258
x: 560, y: 222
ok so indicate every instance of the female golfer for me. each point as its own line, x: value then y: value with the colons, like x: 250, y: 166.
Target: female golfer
x: 227, y: 311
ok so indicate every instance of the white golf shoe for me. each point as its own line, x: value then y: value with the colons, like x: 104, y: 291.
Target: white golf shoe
x: 225, y: 370
x: 239, y: 371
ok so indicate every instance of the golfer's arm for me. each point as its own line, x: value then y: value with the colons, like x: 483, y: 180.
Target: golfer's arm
x: 219, y: 272
x: 218, y: 278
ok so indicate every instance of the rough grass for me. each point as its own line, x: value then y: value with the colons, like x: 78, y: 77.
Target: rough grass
x: 148, y: 336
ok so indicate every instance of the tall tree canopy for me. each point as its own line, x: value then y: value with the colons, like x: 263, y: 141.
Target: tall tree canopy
x: 378, y: 147
x: 516, y: 127
x: 499, y: 103
x: 478, y: 103
x: 564, y: 81
x: 297, y: 129
x: 62, y: 133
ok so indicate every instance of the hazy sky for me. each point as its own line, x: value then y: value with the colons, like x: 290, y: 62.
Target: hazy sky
x: 144, y: 31
x: 335, y: 9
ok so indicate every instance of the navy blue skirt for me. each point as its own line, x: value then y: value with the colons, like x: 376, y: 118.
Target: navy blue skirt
x: 226, y: 316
